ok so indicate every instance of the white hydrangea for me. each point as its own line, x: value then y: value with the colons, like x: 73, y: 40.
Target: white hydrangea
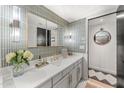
x: 28, y: 55
x: 20, y: 51
x: 10, y: 56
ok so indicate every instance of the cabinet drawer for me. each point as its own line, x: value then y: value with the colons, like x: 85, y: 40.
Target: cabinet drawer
x: 63, y: 83
x: 67, y: 70
x: 47, y: 84
x: 57, y: 77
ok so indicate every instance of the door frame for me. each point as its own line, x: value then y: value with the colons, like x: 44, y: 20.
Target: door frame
x: 88, y: 34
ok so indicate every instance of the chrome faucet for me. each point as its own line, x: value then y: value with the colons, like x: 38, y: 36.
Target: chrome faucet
x: 43, y: 62
x: 39, y: 57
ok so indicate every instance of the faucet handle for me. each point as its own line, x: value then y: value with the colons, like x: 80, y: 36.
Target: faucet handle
x: 40, y: 57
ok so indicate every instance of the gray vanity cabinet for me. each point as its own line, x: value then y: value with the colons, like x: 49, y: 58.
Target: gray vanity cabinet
x: 76, y: 74
x: 79, y: 71
x: 63, y: 83
x: 68, y: 78
x: 73, y: 78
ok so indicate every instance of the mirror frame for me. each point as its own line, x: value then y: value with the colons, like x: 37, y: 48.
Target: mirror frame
x: 108, y: 35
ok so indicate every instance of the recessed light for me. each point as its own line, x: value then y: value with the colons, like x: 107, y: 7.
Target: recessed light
x: 101, y: 20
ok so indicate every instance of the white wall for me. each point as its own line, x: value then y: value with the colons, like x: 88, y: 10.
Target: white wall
x: 103, y: 57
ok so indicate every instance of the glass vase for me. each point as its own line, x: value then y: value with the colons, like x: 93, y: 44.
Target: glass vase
x: 18, y: 70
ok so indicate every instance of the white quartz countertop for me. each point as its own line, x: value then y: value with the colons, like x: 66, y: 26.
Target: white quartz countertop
x: 37, y: 76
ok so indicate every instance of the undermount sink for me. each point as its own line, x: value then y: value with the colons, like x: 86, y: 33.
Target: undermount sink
x: 32, y: 75
x: 57, y: 63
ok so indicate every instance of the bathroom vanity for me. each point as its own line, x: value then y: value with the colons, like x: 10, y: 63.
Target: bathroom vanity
x: 63, y: 74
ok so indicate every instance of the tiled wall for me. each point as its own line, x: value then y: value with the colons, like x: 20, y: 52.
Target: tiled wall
x: 9, y: 39
x: 77, y: 30
x: 7, y: 33
x: 9, y: 43
x: 45, y: 51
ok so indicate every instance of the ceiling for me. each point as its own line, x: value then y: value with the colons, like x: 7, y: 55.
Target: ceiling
x: 74, y: 12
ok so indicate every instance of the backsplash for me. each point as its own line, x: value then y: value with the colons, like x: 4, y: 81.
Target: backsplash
x: 45, y: 51
x: 13, y: 38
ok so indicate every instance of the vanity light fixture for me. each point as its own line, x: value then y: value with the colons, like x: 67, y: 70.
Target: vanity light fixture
x: 14, y: 24
x: 70, y: 35
x: 15, y: 35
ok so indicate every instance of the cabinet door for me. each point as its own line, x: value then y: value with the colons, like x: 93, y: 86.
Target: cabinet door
x: 79, y: 72
x: 32, y: 36
x: 73, y: 78
x: 57, y: 78
x: 53, y: 37
x: 64, y: 83
x: 33, y: 23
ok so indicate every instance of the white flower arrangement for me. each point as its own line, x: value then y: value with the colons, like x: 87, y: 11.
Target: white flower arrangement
x: 19, y: 57
x: 10, y: 56
x: 28, y: 55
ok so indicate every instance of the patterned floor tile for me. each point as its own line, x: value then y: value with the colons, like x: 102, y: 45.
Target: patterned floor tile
x: 103, y: 77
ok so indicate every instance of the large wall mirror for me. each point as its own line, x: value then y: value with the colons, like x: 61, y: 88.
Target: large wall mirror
x: 102, y: 37
x: 42, y: 32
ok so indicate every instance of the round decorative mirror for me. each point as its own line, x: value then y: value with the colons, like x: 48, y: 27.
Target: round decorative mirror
x: 102, y: 37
